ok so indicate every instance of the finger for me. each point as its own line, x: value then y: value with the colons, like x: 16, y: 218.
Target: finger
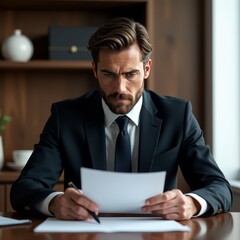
x: 172, y: 216
x: 87, y: 204
x: 76, y: 212
x: 166, y: 211
x: 78, y: 190
x: 82, y: 200
x: 161, y: 208
x: 167, y: 200
x: 72, y: 210
x: 79, y: 212
x: 178, y: 211
x: 160, y: 199
x: 71, y: 215
x: 176, y: 216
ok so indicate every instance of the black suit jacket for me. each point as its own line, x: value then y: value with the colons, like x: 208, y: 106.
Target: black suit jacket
x: 74, y: 137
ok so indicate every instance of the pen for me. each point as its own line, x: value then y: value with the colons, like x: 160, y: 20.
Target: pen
x: 93, y: 214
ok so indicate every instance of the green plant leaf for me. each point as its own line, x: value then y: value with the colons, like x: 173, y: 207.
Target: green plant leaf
x: 4, y: 119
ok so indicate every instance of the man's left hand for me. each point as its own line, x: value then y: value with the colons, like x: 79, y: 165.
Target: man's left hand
x: 172, y: 205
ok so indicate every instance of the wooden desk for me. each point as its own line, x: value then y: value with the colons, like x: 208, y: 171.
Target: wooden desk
x: 219, y: 227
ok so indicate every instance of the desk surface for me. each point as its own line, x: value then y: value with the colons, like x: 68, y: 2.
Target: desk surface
x: 222, y: 226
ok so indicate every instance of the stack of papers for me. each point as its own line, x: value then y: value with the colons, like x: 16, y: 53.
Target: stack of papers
x: 112, y: 224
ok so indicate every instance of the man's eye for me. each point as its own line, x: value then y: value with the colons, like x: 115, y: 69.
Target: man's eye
x: 109, y: 75
x: 130, y: 75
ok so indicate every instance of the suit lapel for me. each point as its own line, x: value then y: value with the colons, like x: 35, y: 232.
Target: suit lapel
x: 95, y: 132
x: 150, y: 127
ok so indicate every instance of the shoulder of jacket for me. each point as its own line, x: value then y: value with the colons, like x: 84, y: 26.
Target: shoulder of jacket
x: 155, y: 97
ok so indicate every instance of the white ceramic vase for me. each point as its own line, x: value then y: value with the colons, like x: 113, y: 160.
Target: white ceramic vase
x: 17, y: 47
x: 1, y: 153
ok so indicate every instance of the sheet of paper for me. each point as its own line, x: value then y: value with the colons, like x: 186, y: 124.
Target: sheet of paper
x: 116, y: 192
x: 112, y: 224
x: 5, y: 221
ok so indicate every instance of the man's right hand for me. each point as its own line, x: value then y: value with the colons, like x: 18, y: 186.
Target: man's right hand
x: 72, y: 205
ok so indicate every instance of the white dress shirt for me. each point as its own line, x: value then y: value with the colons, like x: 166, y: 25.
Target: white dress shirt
x: 111, y: 132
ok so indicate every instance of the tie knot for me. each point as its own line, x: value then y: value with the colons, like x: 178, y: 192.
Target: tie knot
x: 122, y: 122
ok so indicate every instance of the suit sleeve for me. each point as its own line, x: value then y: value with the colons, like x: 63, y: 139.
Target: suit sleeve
x: 42, y: 171
x: 200, y: 170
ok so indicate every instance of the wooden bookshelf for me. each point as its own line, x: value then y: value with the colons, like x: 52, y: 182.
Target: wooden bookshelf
x: 27, y: 90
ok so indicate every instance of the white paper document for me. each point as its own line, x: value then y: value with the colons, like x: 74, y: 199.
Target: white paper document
x: 5, y: 221
x: 112, y: 224
x: 116, y: 192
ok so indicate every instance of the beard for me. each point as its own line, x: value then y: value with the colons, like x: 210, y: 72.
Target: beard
x: 121, y: 103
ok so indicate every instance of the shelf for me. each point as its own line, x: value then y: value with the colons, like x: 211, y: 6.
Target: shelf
x: 29, y: 88
x: 67, y: 5
x: 8, y: 176
x: 45, y: 65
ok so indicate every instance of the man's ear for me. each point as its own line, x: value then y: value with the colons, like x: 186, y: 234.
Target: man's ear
x: 94, y: 67
x: 147, y: 68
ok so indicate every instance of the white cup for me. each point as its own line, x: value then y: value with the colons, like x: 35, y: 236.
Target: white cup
x: 20, y: 157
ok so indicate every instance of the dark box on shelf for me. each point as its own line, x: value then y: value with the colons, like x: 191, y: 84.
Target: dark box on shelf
x: 69, y: 43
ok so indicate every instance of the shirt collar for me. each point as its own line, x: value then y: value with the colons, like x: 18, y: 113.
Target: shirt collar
x: 110, y: 117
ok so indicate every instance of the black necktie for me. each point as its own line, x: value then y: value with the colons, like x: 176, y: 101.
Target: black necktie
x: 123, y: 147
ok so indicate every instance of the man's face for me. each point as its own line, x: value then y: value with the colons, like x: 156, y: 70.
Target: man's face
x: 121, y: 77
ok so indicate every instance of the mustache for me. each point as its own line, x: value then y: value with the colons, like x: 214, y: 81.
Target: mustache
x: 119, y: 96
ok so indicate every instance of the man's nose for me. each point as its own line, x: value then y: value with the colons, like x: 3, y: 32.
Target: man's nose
x: 120, y: 84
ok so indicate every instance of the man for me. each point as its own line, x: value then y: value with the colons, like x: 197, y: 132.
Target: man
x: 82, y: 132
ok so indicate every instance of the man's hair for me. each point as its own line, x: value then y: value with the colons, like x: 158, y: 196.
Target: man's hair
x: 118, y: 34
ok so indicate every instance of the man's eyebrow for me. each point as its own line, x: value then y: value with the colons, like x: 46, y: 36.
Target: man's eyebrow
x: 131, y: 71
x: 106, y: 71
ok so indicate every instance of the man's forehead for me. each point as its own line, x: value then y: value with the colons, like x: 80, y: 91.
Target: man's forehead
x: 132, y: 51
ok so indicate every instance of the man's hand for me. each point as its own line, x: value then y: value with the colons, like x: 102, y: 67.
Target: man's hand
x: 172, y: 205
x: 72, y: 205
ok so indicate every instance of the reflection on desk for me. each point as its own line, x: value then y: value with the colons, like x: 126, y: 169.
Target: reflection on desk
x: 219, y: 227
